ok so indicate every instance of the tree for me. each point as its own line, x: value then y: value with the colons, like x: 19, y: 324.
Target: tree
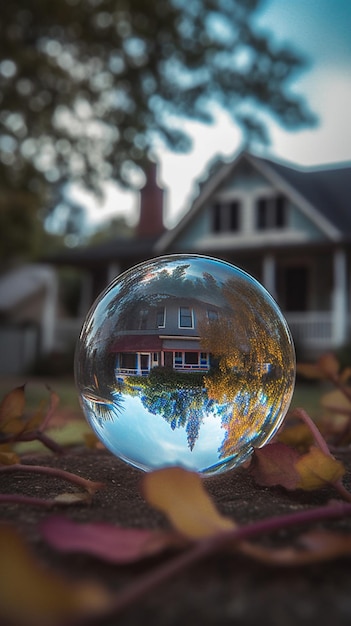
x: 89, y: 86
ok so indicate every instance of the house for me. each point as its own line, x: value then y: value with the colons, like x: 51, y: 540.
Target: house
x: 290, y: 227
x: 28, y: 311
x: 159, y: 335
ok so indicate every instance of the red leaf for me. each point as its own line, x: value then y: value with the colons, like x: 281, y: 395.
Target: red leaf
x: 275, y: 465
x: 106, y: 541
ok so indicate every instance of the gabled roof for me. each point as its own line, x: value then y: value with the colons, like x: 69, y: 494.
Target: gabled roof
x: 322, y: 193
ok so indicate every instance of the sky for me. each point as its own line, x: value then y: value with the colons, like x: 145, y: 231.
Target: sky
x: 320, y: 30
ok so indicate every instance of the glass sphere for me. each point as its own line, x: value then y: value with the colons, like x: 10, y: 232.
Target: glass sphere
x: 185, y: 360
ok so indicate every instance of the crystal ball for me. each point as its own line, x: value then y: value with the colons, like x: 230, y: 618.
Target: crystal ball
x: 185, y: 360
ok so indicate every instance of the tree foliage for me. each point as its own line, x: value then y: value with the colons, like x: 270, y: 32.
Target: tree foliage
x: 88, y: 86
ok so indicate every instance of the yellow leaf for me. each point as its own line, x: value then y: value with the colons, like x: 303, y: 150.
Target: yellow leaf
x: 31, y: 595
x: 317, y: 469
x: 12, y: 405
x: 181, y: 496
x: 297, y: 435
x: 11, y: 412
x: 35, y: 420
x: 8, y: 458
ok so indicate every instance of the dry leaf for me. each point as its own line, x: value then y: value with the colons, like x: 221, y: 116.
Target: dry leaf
x: 336, y: 401
x: 31, y: 595
x: 181, y: 496
x: 310, y: 370
x: 7, y: 457
x: 106, y: 541
x: 12, y: 406
x: 328, y: 364
x: 297, y: 436
x: 325, y: 544
x: 275, y: 465
x: 72, y: 498
x: 316, y: 469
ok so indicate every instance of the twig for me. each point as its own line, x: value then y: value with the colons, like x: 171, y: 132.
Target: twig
x: 89, y: 485
x: 317, y: 436
x: 16, y: 498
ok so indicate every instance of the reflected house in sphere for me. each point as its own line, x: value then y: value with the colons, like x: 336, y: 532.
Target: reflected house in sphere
x: 163, y: 336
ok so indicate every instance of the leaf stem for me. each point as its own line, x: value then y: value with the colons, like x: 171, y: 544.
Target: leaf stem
x: 85, y: 483
x: 317, y: 436
x: 12, y: 498
x: 38, y: 435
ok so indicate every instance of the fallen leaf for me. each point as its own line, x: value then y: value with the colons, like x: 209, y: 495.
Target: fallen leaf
x: 297, y: 436
x: 274, y: 465
x: 7, y: 457
x: 31, y: 595
x: 346, y: 375
x: 325, y: 544
x: 328, y: 364
x: 106, y: 541
x: 181, y: 496
x: 317, y: 469
x: 12, y: 405
x: 72, y: 498
x: 310, y: 370
x: 313, y: 547
x: 336, y: 401
x: 35, y: 421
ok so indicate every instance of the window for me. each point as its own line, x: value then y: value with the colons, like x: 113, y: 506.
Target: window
x: 178, y: 359
x: 271, y: 212
x: 160, y: 317
x: 191, y: 358
x: 143, y: 315
x: 225, y: 217
x: 203, y: 359
x: 212, y: 315
x: 186, y: 318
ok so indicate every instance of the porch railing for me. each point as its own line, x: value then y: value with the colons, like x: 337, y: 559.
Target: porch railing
x: 311, y: 329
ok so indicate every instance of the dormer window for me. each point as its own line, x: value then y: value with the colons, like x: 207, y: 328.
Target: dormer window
x: 225, y: 216
x: 271, y: 212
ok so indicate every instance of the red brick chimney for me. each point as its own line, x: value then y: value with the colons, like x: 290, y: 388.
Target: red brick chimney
x: 151, y: 205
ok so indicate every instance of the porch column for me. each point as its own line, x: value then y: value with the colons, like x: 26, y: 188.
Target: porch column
x: 339, y: 298
x: 86, y: 294
x: 268, y: 274
x: 113, y: 271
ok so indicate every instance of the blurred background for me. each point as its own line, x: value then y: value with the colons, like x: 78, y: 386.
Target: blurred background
x: 131, y: 128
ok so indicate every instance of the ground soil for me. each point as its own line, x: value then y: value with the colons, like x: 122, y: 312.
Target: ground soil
x: 224, y: 589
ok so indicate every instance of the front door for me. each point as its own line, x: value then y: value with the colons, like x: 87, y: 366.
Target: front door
x: 144, y: 362
x: 295, y: 285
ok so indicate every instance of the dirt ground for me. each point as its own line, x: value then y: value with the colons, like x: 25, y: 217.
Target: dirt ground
x: 225, y: 589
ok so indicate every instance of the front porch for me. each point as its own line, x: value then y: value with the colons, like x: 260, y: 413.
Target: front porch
x: 314, y: 332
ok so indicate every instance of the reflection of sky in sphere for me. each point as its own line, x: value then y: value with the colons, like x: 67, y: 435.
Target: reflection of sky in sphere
x: 147, y: 439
